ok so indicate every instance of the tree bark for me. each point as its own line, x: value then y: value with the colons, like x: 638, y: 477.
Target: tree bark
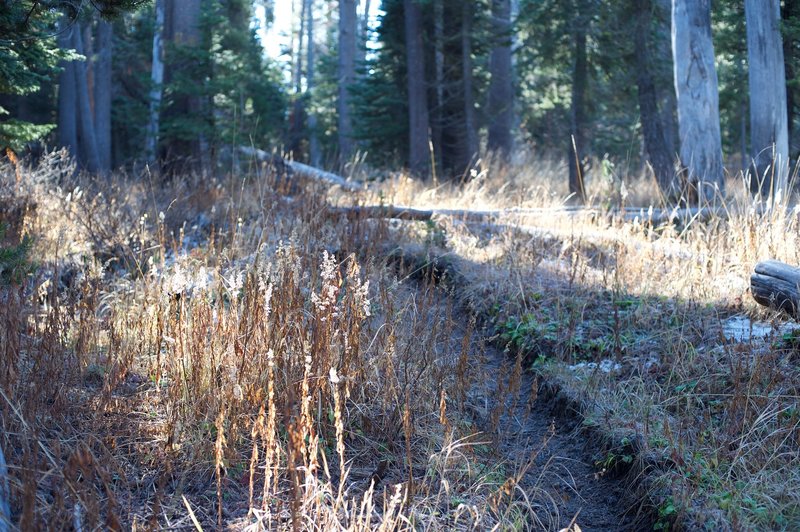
x: 501, y: 91
x: 777, y: 285
x: 790, y: 11
x: 102, y: 92
x: 67, y: 96
x: 313, y: 139
x: 698, y: 98
x: 769, y: 135
x: 653, y: 130
x: 348, y: 21
x: 157, y: 83
x: 87, y: 138
x: 417, y: 91
x: 577, y: 108
x: 183, y: 16
x: 470, y: 126
x: 437, y: 121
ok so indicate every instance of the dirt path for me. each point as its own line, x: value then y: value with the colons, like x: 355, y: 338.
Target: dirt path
x: 559, y: 478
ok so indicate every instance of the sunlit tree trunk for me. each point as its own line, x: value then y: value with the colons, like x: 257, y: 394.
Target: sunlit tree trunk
x: 698, y: 97
x: 769, y: 136
x: 417, y: 91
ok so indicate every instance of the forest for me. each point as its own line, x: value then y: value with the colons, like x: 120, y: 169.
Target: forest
x: 399, y: 265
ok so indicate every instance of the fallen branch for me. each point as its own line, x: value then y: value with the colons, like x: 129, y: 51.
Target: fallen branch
x: 631, y: 214
x: 300, y: 169
x: 777, y: 285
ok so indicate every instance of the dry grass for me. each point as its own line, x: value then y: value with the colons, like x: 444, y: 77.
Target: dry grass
x: 212, y: 353
x: 629, y: 319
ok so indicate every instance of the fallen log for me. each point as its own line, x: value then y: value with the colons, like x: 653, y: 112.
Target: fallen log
x: 300, y: 169
x: 777, y: 285
x: 628, y: 214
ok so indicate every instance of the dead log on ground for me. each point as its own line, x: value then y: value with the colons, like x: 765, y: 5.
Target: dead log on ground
x: 777, y: 285
x: 300, y: 169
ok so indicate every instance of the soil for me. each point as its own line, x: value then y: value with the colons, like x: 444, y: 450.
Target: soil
x: 564, y: 486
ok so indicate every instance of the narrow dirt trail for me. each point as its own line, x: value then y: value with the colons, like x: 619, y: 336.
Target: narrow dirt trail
x: 555, y: 460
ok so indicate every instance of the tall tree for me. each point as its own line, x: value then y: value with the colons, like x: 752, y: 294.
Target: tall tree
x: 417, y: 90
x: 500, y: 110
x: 654, y: 131
x: 87, y: 138
x: 470, y: 124
x: 769, y: 135
x: 67, y: 95
x: 102, y: 93
x: 790, y: 23
x: 183, y: 150
x: 698, y: 97
x: 156, y: 83
x: 348, y: 22
x: 314, y: 152
x: 578, y: 103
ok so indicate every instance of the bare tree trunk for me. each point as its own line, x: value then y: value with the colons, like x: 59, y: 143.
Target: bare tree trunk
x: 157, y: 83
x: 665, y: 86
x: 67, y: 97
x: 102, y: 92
x: 698, y: 97
x: 87, y: 138
x: 578, y: 111
x: 655, y: 141
x: 417, y: 91
x: 471, y: 133
x: 769, y: 135
x: 501, y: 91
x: 313, y: 139
x: 184, y: 31
x: 789, y: 12
x: 348, y: 20
x: 437, y: 124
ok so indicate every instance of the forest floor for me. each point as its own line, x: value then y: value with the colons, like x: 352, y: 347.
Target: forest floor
x: 235, y: 353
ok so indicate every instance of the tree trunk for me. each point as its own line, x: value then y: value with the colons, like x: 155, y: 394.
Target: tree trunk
x: 417, y: 91
x: 769, y: 136
x: 313, y: 139
x: 501, y: 91
x: 67, y: 97
x: 102, y: 92
x: 87, y: 138
x: 184, y: 153
x: 665, y: 84
x: 789, y: 13
x: 698, y: 98
x: 655, y: 141
x: 777, y: 285
x: 471, y: 131
x: 578, y: 112
x: 437, y: 123
x: 348, y: 20
x: 157, y: 83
